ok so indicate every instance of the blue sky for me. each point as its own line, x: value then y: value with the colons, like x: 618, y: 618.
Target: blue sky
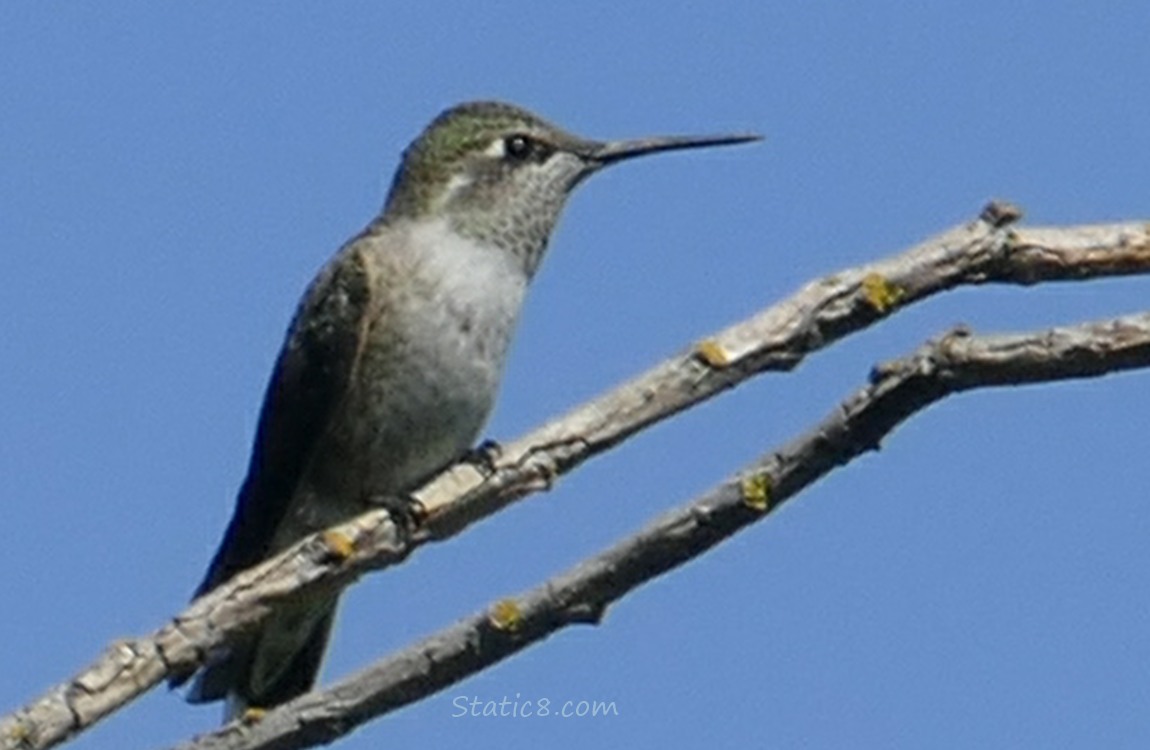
x: 171, y: 175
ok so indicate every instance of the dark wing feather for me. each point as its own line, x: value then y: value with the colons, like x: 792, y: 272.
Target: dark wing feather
x: 310, y: 380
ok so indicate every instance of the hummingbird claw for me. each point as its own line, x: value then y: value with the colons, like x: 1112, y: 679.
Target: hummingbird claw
x: 484, y: 456
x: 406, y: 510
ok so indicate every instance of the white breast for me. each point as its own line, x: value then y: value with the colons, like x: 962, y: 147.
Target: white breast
x: 445, y: 339
x: 482, y: 283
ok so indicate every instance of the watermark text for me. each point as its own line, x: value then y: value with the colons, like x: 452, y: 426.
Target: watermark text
x: 473, y: 706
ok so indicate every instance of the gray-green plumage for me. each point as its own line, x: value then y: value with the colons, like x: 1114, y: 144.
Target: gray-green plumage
x: 394, y: 357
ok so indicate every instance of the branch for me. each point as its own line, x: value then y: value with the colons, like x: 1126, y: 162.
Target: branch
x: 899, y: 389
x: 777, y: 339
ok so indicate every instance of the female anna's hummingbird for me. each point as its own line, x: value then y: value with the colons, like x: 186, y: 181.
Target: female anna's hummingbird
x: 394, y: 357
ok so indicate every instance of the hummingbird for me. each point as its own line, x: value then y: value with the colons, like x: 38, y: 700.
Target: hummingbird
x: 393, y: 359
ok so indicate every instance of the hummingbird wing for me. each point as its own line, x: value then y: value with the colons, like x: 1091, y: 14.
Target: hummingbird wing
x: 310, y: 380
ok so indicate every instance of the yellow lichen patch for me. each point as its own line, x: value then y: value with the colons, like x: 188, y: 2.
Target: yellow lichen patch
x: 880, y: 293
x: 712, y: 353
x: 253, y: 715
x: 756, y: 492
x: 19, y: 734
x: 339, y: 545
x: 506, y: 615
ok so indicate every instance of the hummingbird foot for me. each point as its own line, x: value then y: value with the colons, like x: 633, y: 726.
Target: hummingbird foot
x: 484, y: 456
x: 406, y: 510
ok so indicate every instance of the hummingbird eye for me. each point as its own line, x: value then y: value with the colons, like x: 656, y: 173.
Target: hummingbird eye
x: 517, y: 147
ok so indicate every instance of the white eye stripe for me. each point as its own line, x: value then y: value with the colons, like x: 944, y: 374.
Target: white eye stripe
x: 497, y: 149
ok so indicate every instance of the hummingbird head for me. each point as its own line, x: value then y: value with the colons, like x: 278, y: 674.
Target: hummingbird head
x: 500, y: 174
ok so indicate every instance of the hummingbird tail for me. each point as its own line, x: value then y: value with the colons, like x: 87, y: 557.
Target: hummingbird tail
x: 278, y: 663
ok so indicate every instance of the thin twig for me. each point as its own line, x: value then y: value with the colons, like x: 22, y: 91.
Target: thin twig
x: 899, y: 390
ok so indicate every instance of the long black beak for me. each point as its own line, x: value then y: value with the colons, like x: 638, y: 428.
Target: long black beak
x: 615, y: 151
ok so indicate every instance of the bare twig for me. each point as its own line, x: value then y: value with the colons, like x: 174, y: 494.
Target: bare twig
x: 899, y: 389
